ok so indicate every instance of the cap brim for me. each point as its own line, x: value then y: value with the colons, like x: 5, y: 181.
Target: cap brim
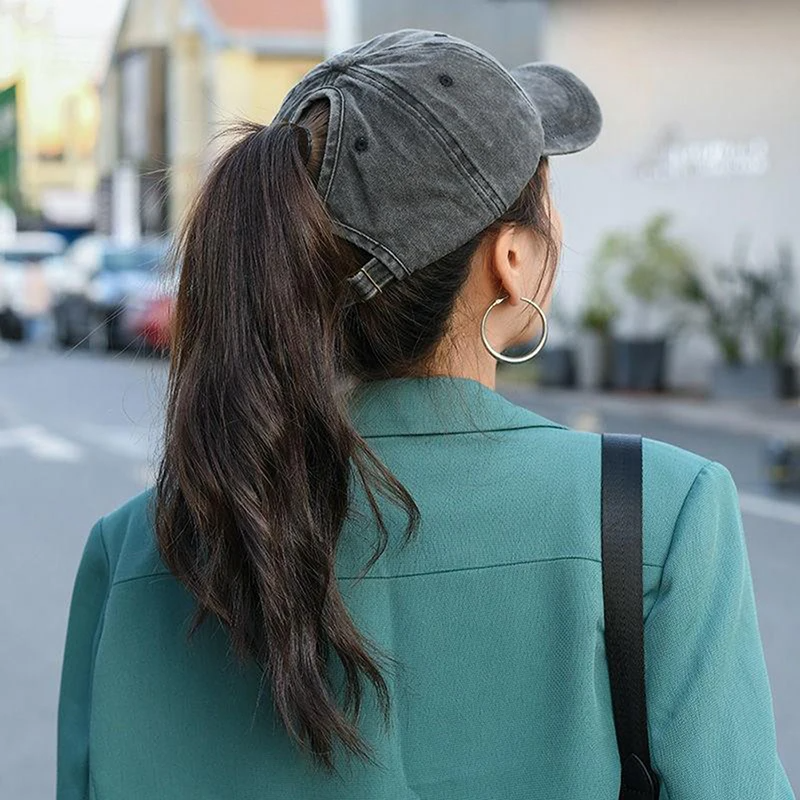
x: 570, y: 113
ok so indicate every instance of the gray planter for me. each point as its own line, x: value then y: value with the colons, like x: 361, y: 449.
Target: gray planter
x: 556, y: 367
x: 638, y: 364
x: 590, y: 361
x: 788, y: 381
x: 759, y: 381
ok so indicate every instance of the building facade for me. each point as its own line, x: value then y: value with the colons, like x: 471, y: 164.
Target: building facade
x: 510, y: 29
x: 701, y: 104
x: 180, y: 71
x: 48, y: 123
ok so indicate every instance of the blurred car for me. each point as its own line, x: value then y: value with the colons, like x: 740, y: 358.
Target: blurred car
x: 24, y: 289
x: 152, y: 322
x: 109, y: 284
x: 152, y: 318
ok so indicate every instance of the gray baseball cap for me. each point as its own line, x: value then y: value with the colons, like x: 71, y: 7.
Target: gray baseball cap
x: 430, y: 140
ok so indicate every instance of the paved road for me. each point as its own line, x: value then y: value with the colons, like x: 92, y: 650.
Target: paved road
x: 75, y: 434
x: 77, y: 437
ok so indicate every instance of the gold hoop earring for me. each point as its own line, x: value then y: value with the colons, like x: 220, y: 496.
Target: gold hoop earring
x: 515, y: 359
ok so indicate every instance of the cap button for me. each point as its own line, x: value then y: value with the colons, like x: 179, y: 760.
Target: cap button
x: 340, y: 62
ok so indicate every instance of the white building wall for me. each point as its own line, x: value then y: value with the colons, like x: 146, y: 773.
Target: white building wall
x: 711, y: 70
x: 509, y: 29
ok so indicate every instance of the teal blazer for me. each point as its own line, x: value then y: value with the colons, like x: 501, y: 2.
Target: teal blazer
x: 494, y: 612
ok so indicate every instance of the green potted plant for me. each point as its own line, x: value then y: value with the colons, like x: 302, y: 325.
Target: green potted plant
x: 593, y: 343
x: 753, y: 320
x: 654, y: 271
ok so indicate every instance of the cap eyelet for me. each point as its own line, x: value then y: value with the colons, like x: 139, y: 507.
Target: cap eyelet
x: 446, y: 80
x: 361, y: 144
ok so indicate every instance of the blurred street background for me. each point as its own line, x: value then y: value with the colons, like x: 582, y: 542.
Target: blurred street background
x: 677, y: 312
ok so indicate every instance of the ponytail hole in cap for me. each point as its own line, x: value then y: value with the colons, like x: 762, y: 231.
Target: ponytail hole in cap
x: 305, y: 141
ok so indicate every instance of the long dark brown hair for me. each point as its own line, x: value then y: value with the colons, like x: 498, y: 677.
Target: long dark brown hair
x: 260, y: 453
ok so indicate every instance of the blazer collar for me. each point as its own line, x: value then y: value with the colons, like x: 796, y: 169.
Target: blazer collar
x: 439, y: 404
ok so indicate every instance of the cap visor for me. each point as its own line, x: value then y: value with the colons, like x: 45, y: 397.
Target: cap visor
x: 570, y: 113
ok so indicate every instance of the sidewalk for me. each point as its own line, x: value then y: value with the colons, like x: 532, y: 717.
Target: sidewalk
x: 772, y: 419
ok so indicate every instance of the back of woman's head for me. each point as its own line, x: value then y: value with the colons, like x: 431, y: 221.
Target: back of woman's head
x: 260, y: 453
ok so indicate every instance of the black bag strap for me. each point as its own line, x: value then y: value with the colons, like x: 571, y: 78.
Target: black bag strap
x: 623, y: 610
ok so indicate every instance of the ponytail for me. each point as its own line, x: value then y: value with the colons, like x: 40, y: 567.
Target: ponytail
x: 252, y: 491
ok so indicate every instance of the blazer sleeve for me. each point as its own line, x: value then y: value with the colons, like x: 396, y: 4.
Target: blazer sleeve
x: 710, y: 714
x: 83, y: 633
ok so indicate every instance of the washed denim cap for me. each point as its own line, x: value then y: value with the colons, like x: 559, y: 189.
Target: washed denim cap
x: 430, y: 140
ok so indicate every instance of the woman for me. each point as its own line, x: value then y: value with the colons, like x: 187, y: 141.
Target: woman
x: 391, y: 573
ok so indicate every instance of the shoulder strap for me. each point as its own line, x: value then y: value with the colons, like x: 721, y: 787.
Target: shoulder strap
x: 623, y: 609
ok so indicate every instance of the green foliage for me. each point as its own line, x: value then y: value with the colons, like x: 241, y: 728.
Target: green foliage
x: 654, y: 264
x: 753, y: 304
x: 743, y: 304
x: 598, y: 318
x: 599, y: 310
x: 774, y: 318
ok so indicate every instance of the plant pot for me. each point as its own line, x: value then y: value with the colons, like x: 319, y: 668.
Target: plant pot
x: 759, y: 381
x: 638, y: 364
x: 788, y: 381
x: 556, y: 367
x: 589, y: 360
x: 592, y: 361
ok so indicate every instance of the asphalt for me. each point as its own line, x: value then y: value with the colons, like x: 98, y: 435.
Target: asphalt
x: 79, y: 434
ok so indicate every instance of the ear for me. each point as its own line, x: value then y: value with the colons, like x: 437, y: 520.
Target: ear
x: 506, y: 262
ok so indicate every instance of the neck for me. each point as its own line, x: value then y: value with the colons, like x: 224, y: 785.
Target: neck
x: 473, y: 362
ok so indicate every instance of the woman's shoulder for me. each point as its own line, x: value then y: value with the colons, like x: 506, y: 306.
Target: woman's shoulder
x: 571, y: 462
x: 663, y: 464
x: 569, y: 448
x: 128, y: 538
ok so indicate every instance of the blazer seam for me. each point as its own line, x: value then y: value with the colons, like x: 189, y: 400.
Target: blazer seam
x: 461, y: 432
x: 483, y: 566
x: 423, y: 574
x: 121, y: 581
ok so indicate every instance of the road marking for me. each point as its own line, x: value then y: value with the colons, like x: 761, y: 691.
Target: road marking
x: 587, y: 421
x: 770, y: 508
x: 117, y: 440
x: 40, y: 443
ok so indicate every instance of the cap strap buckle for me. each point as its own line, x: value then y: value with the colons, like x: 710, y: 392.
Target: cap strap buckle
x: 366, y: 284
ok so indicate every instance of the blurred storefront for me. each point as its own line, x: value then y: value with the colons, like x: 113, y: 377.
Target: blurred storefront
x: 48, y: 120
x: 9, y: 177
x: 180, y: 70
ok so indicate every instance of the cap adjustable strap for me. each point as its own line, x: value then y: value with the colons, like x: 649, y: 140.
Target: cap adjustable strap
x: 371, y: 279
